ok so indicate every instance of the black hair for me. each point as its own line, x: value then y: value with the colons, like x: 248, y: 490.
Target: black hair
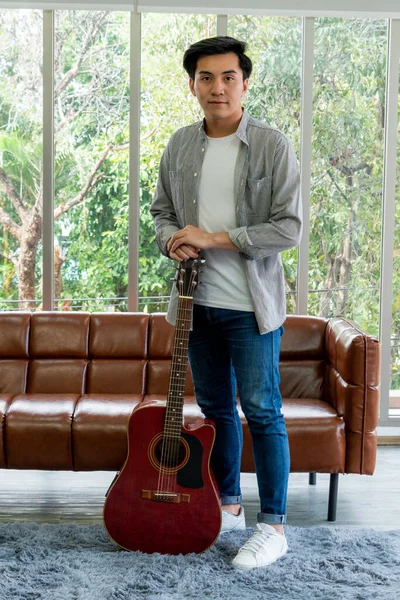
x: 216, y: 45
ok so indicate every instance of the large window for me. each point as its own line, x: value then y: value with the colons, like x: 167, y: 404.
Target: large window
x: 166, y: 105
x: 274, y: 95
x: 347, y: 169
x: 21, y: 107
x: 92, y: 114
x: 91, y: 163
x: 394, y: 402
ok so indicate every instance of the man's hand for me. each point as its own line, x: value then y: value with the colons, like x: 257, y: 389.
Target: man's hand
x: 189, y: 236
x: 184, y: 252
x: 187, y: 242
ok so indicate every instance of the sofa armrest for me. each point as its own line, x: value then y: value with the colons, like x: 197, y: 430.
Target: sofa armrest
x: 352, y: 380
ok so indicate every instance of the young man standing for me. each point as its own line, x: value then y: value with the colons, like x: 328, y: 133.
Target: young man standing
x: 229, y: 186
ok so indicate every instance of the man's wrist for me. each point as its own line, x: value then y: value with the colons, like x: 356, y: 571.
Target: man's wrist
x: 222, y: 241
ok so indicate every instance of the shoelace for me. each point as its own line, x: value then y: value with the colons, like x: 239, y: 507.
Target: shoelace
x: 257, y: 540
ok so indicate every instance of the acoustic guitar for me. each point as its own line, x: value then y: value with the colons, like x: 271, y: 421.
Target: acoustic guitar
x: 165, y: 498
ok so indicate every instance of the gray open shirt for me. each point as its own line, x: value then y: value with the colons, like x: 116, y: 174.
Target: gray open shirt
x: 268, y: 207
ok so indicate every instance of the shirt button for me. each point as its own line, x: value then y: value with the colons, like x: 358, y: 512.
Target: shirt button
x: 195, y: 174
x: 194, y: 201
x: 202, y: 149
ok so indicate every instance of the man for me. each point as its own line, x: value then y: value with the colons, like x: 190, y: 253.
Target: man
x: 229, y: 186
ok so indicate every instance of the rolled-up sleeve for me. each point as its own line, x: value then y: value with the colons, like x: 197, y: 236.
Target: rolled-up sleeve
x: 283, y: 229
x: 162, y: 208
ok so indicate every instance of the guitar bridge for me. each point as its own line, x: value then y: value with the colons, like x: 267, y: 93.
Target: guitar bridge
x: 169, y: 497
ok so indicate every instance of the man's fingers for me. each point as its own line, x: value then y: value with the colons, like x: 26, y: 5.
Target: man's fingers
x: 183, y: 253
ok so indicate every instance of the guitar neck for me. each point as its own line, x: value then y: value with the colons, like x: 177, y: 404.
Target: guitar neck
x: 177, y: 378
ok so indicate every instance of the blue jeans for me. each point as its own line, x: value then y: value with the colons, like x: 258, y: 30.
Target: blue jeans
x: 225, y: 350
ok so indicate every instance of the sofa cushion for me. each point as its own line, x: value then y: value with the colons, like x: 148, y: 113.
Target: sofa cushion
x: 116, y: 376
x: 118, y: 335
x: 14, y: 343
x: 303, y: 338
x: 57, y: 376
x: 317, y: 436
x: 5, y: 400
x: 302, y: 378
x: 38, y: 431
x: 158, y: 378
x: 13, y: 376
x: 99, y: 430
x: 59, y: 335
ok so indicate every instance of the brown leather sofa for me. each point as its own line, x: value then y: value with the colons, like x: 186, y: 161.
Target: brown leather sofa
x: 69, y: 382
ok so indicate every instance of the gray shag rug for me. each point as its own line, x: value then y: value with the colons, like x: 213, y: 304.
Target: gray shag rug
x: 80, y: 562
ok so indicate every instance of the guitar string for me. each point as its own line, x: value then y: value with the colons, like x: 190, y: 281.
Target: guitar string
x: 177, y: 446
x: 174, y: 442
x: 170, y: 447
x: 186, y: 333
x: 169, y: 442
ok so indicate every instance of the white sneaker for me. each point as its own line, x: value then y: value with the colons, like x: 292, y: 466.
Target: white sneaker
x: 264, y: 547
x: 231, y: 522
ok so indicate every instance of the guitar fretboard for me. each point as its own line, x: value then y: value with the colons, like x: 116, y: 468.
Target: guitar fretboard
x: 177, y: 379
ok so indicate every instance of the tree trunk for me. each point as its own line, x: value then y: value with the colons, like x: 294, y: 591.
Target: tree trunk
x: 31, y: 235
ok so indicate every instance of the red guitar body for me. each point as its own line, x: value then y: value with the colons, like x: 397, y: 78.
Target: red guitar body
x: 173, y: 509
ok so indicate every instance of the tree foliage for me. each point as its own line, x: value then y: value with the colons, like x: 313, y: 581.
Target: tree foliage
x: 92, y: 156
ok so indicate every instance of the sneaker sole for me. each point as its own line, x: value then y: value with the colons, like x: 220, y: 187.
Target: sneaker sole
x: 242, y: 528
x: 267, y: 564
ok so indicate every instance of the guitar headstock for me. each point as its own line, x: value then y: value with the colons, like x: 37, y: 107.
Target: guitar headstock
x: 187, y: 277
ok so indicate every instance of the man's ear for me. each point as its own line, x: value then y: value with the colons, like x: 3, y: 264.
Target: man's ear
x: 245, y: 86
x: 191, y: 86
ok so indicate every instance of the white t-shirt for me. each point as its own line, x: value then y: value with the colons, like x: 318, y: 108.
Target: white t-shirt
x: 223, y: 283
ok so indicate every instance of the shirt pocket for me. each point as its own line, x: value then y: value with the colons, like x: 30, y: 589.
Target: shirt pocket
x: 257, y: 197
x: 175, y: 180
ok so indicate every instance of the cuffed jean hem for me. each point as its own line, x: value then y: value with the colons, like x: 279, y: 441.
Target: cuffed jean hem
x: 271, y: 519
x: 231, y: 500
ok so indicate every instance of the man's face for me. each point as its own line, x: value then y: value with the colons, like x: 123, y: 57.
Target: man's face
x: 219, y: 86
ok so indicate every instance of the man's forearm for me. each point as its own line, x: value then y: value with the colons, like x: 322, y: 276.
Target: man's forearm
x: 202, y: 240
x: 222, y: 241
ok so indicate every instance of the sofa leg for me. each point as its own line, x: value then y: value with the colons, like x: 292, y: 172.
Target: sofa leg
x: 312, y: 480
x: 333, y: 493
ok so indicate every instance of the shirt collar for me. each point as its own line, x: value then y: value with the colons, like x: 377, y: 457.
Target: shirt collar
x: 241, y: 131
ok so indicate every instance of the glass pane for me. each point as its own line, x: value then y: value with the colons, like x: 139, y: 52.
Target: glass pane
x: 347, y: 169
x: 21, y: 108
x: 274, y: 95
x: 394, y: 400
x: 92, y: 160
x: 166, y: 105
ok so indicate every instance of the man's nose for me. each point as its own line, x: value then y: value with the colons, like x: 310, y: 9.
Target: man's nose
x: 218, y: 87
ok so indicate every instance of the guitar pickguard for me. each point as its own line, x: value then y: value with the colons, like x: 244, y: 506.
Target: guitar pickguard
x: 190, y: 474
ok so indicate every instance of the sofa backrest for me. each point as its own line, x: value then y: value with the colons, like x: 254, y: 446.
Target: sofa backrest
x: 58, y: 352
x: 161, y: 341
x: 71, y: 352
x: 118, y: 353
x: 122, y: 353
x: 302, y: 362
x: 14, y: 352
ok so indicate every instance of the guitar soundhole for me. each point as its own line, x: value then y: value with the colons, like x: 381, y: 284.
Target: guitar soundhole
x: 173, y: 455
